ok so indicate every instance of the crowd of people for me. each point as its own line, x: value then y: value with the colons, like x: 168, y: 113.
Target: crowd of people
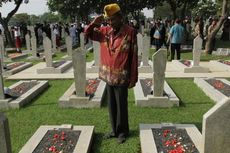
x: 161, y: 32
x: 18, y: 33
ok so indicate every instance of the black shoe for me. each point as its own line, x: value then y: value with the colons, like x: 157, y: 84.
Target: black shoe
x: 121, y: 140
x: 109, y: 135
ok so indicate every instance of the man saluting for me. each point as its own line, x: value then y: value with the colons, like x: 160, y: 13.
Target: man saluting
x: 118, y: 65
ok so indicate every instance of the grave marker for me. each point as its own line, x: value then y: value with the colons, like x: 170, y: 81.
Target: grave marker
x: 34, y: 46
x: 2, y: 96
x: 159, y: 67
x: 140, y: 43
x: 5, y: 143
x: 96, y: 51
x: 145, y: 52
x: 215, y: 130
x: 68, y: 41
x: 28, y: 42
x: 79, y: 65
x: 48, y: 52
x: 82, y: 40
x: 197, y: 47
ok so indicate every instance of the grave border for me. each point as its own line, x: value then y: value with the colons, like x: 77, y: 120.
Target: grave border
x: 17, y: 69
x: 83, y: 144
x: 26, y: 97
x: 209, y: 90
x: 68, y: 100
x: 190, y: 69
x: 219, y: 65
x: 150, y: 100
x: 147, y: 138
x: 51, y: 70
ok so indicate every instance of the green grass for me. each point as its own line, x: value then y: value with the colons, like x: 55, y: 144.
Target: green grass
x: 44, y: 110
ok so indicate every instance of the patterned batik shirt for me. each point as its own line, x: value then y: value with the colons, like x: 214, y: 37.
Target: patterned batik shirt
x: 118, y: 54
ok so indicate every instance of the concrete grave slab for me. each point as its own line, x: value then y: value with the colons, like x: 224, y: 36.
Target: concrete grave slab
x: 209, y: 90
x: 147, y: 139
x: 91, y: 67
x: 222, y: 51
x: 83, y: 144
x: 18, y: 56
x: 220, y: 65
x: 24, y: 98
x: 16, y: 69
x: 190, y: 69
x: 51, y: 70
x: 145, y: 68
x: 151, y: 101
x: 69, y: 99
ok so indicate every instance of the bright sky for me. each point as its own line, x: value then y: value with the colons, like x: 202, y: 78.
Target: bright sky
x: 38, y: 7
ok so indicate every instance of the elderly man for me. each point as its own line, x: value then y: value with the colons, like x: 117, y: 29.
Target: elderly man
x: 118, y: 65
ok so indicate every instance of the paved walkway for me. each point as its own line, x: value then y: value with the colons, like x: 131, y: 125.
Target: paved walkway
x: 171, y: 72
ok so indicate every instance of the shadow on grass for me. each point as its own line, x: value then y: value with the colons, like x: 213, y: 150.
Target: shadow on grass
x: 98, y: 139
x: 96, y: 143
x: 197, y: 124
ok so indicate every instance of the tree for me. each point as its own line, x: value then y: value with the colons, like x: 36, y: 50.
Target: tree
x: 4, y: 21
x: 206, y: 9
x: 211, y: 36
x: 50, y: 17
x: 184, y: 5
x: 82, y: 8
x: 22, y: 18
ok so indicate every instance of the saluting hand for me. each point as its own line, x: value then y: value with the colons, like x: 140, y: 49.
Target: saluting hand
x: 98, y: 20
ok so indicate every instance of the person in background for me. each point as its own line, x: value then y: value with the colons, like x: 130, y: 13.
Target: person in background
x: 176, y: 37
x: 118, y: 65
x: 73, y: 34
x: 17, y: 39
x: 210, y: 30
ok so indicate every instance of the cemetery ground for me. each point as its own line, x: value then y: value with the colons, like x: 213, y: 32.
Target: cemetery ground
x: 44, y: 110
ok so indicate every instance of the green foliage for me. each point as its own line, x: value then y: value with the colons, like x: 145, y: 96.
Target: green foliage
x: 206, y: 9
x: 21, y: 18
x: 50, y: 17
x: 163, y: 12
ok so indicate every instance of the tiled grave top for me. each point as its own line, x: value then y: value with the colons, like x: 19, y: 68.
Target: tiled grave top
x: 147, y: 140
x: 82, y: 146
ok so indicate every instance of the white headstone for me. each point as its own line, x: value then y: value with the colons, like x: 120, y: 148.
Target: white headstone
x: 5, y: 143
x: 159, y: 67
x: 96, y: 51
x: 215, y: 130
x: 68, y: 41
x: 140, y: 43
x: 34, y: 46
x: 48, y: 52
x: 2, y: 96
x: 197, y: 46
x: 27, y: 42
x: 82, y: 40
x: 2, y: 51
x: 63, y: 32
x: 54, y: 43
x: 145, y: 52
x: 79, y: 65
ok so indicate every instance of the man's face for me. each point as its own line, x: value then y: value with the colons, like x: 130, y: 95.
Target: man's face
x: 115, y: 21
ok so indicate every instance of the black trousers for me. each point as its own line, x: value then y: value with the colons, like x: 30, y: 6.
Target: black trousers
x: 175, y: 47
x: 117, y: 97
